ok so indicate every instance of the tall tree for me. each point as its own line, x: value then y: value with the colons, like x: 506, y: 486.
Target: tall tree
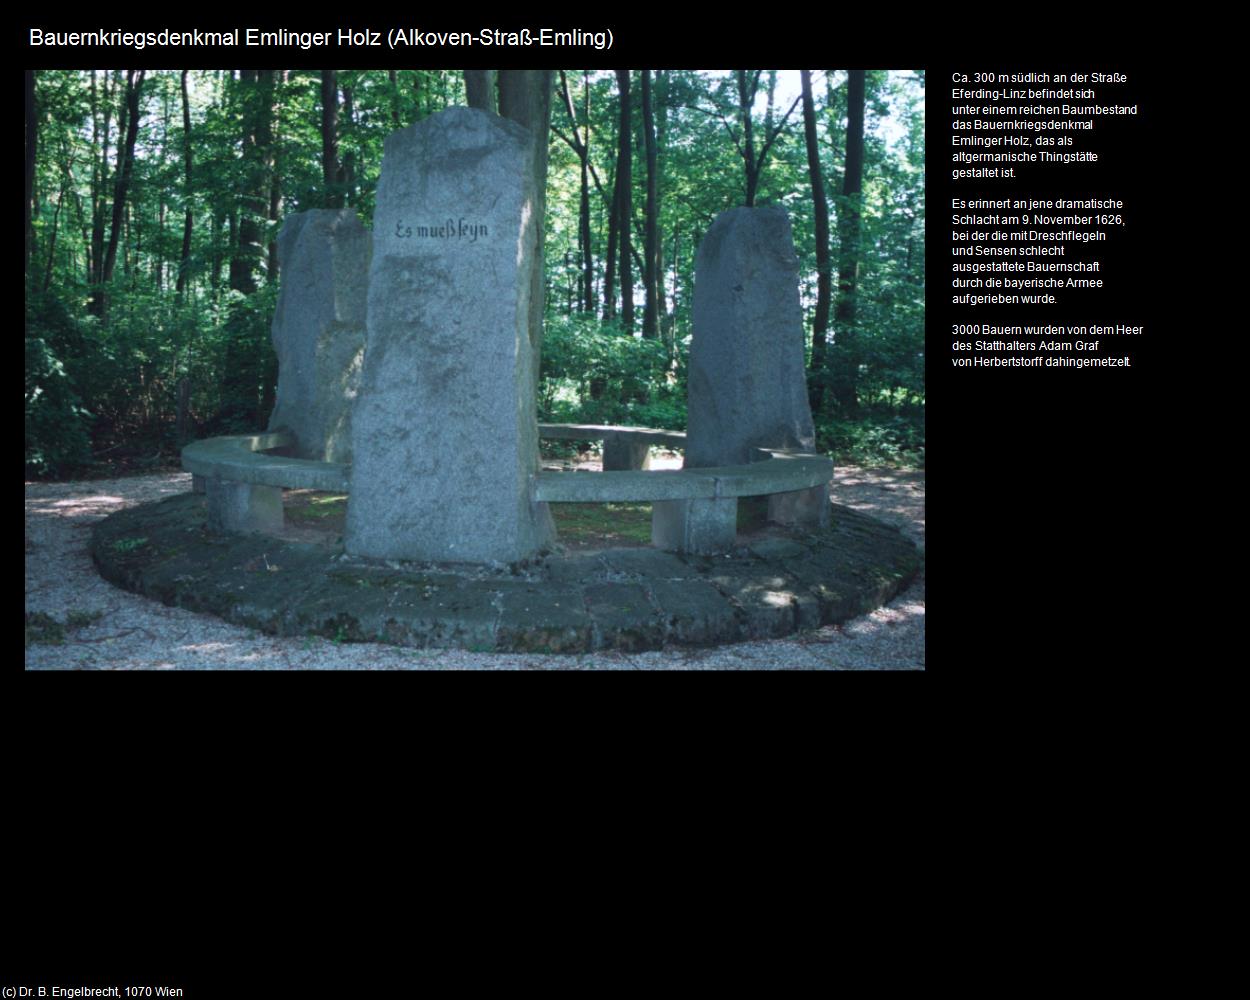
x: 331, y: 171
x: 650, y: 260
x: 824, y: 282
x: 748, y: 82
x: 256, y: 94
x: 184, y: 259
x: 394, y: 81
x: 275, y: 177
x: 609, y: 263
x: 624, y: 201
x: 32, y: 138
x: 525, y: 98
x: 581, y: 147
x: 125, y: 169
x: 845, y: 376
x: 479, y: 88
x: 101, y: 119
x: 661, y: 142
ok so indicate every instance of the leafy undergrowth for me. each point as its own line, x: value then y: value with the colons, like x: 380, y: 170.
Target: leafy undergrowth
x: 43, y: 628
x: 892, y: 440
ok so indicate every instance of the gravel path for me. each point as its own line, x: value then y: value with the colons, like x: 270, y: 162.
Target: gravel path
x: 129, y: 632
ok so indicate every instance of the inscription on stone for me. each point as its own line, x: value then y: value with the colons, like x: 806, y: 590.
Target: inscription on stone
x: 451, y: 229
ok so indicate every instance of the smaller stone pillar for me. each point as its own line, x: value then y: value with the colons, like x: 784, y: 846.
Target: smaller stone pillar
x: 699, y: 526
x: 620, y: 454
x: 243, y: 507
x: 319, y: 329
x: 197, y: 483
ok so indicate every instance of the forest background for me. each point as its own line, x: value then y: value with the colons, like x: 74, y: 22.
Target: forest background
x: 154, y: 198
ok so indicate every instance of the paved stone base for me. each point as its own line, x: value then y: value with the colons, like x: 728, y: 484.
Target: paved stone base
x: 774, y: 583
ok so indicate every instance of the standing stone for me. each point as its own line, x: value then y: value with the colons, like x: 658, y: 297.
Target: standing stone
x: 747, y: 388
x: 319, y: 329
x: 444, y: 431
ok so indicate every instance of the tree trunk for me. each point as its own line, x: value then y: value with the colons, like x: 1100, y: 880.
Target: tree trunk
x: 624, y: 184
x: 184, y: 260
x: 125, y: 167
x: 214, y: 277
x: 257, y: 94
x: 100, y: 137
x: 586, y: 264
x: 394, y: 81
x: 820, y: 322
x: 66, y: 179
x: 275, y: 188
x: 158, y: 268
x: 651, y: 307
x: 846, y: 343
x: 330, y: 170
x: 525, y: 98
x: 182, y: 421
x: 101, y: 174
x: 347, y: 127
x: 32, y: 138
x: 661, y: 141
x: 609, y: 268
x: 746, y: 99
x: 479, y: 88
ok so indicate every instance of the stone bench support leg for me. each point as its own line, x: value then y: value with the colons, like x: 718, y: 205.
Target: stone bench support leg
x: 197, y: 483
x: 802, y: 508
x: 623, y: 455
x: 244, y: 507
x: 702, y: 527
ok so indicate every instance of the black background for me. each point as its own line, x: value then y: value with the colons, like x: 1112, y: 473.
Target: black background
x: 1045, y: 487
x: 1044, y: 482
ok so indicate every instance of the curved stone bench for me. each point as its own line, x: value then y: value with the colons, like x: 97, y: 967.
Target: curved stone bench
x: 624, y: 448
x: 693, y: 510
x: 244, y: 485
x: 696, y: 510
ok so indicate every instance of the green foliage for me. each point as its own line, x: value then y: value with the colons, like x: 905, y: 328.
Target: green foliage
x: 106, y: 378
x: 874, y: 439
x: 41, y: 627
x: 245, y: 357
x: 598, y: 375
x: 57, y: 423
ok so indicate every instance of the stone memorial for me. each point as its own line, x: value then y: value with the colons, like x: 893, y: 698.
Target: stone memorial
x: 319, y: 329
x: 747, y: 387
x: 444, y: 429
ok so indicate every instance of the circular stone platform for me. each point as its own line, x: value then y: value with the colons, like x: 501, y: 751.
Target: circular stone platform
x: 776, y: 582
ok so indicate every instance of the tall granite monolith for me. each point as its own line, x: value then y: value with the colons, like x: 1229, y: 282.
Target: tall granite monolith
x: 319, y: 329
x: 747, y: 387
x: 444, y: 430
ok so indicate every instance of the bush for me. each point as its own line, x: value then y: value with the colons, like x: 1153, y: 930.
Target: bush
x: 597, y: 374
x: 875, y: 439
x: 57, y: 422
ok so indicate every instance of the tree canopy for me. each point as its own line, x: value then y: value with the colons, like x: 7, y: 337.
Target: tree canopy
x: 154, y: 199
